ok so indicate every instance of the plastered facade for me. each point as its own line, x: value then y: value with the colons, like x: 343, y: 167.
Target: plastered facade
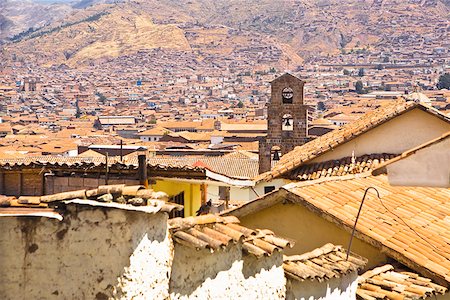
x: 91, y: 254
x: 427, y: 167
x: 309, y: 231
x: 395, y: 136
x: 225, y: 274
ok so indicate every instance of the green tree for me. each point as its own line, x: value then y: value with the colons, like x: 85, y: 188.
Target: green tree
x: 359, y: 87
x: 444, y: 81
x: 361, y: 72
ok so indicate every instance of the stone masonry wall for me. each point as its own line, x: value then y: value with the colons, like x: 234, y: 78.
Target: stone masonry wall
x: 225, y: 274
x: 94, y: 253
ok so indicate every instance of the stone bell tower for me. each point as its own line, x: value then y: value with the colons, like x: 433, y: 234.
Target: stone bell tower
x: 286, y: 120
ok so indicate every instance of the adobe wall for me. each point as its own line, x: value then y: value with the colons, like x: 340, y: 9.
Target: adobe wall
x: 94, y: 253
x: 34, y: 183
x: 225, y: 274
x: 55, y: 184
x: 332, y: 289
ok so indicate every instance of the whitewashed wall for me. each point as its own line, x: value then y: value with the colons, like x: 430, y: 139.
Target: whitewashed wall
x: 91, y: 254
x: 225, y: 274
x: 343, y: 288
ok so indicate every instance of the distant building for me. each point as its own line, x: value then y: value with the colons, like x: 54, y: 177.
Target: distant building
x: 104, y: 122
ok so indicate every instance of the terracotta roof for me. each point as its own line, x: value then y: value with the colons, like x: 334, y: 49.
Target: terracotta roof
x: 158, y: 130
x: 410, y: 224
x: 326, y: 262
x: 129, y: 162
x: 214, y: 232
x: 115, y: 196
x: 340, y: 167
x: 330, y: 140
x: 382, y: 168
x: 386, y: 283
x: 234, y: 167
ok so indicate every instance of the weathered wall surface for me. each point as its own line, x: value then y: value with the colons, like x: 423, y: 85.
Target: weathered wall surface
x: 225, y: 274
x: 92, y: 254
x: 427, y: 167
x: 343, y: 288
x: 309, y: 231
x: 54, y: 184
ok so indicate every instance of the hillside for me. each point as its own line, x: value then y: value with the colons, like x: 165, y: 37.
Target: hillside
x: 301, y: 29
x: 107, y: 33
x: 18, y: 16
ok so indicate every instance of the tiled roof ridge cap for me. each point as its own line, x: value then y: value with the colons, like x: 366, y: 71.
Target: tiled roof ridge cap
x: 300, y: 184
x: 325, y: 249
x: 177, y: 224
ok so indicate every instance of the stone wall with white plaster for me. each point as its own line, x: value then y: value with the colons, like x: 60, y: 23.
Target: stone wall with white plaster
x: 225, y: 274
x: 343, y: 288
x: 94, y: 253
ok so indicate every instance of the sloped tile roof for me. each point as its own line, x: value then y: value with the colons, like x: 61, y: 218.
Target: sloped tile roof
x: 214, y: 232
x: 326, y: 262
x: 340, y: 167
x: 411, y: 224
x: 329, y: 141
x: 386, y: 283
x: 234, y: 167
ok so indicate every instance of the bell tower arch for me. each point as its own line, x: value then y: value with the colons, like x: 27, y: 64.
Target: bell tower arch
x: 286, y: 120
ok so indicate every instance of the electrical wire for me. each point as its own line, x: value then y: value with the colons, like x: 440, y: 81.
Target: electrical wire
x: 398, y: 218
x: 406, y: 224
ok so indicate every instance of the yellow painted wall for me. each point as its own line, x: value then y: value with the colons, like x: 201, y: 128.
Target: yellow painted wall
x: 192, y: 194
x: 309, y: 231
x: 395, y: 136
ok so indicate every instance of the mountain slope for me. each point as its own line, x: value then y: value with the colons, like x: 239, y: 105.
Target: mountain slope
x: 108, y: 33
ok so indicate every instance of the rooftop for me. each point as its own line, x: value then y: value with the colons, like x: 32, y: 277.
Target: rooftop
x: 326, y: 262
x: 214, y: 232
x: 387, y: 283
x: 410, y: 224
x: 329, y: 141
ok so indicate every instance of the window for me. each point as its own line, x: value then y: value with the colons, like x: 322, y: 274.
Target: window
x: 287, y: 123
x: 287, y: 94
x: 268, y: 189
x: 178, y: 199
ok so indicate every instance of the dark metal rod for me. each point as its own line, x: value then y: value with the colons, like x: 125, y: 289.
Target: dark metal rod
x: 121, y: 150
x: 357, y: 217
x: 107, y: 170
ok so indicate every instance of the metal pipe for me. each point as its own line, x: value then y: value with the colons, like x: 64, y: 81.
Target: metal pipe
x: 107, y: 169
x: 142, y: 170
x: 357, y: 217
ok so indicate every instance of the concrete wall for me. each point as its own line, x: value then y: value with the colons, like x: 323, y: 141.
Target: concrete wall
x: 395, y: 136
x: 333, y: 289
x: 309, y: 231
x: 225, y: 274
x: 92, y: 254
x: 427, y: 167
